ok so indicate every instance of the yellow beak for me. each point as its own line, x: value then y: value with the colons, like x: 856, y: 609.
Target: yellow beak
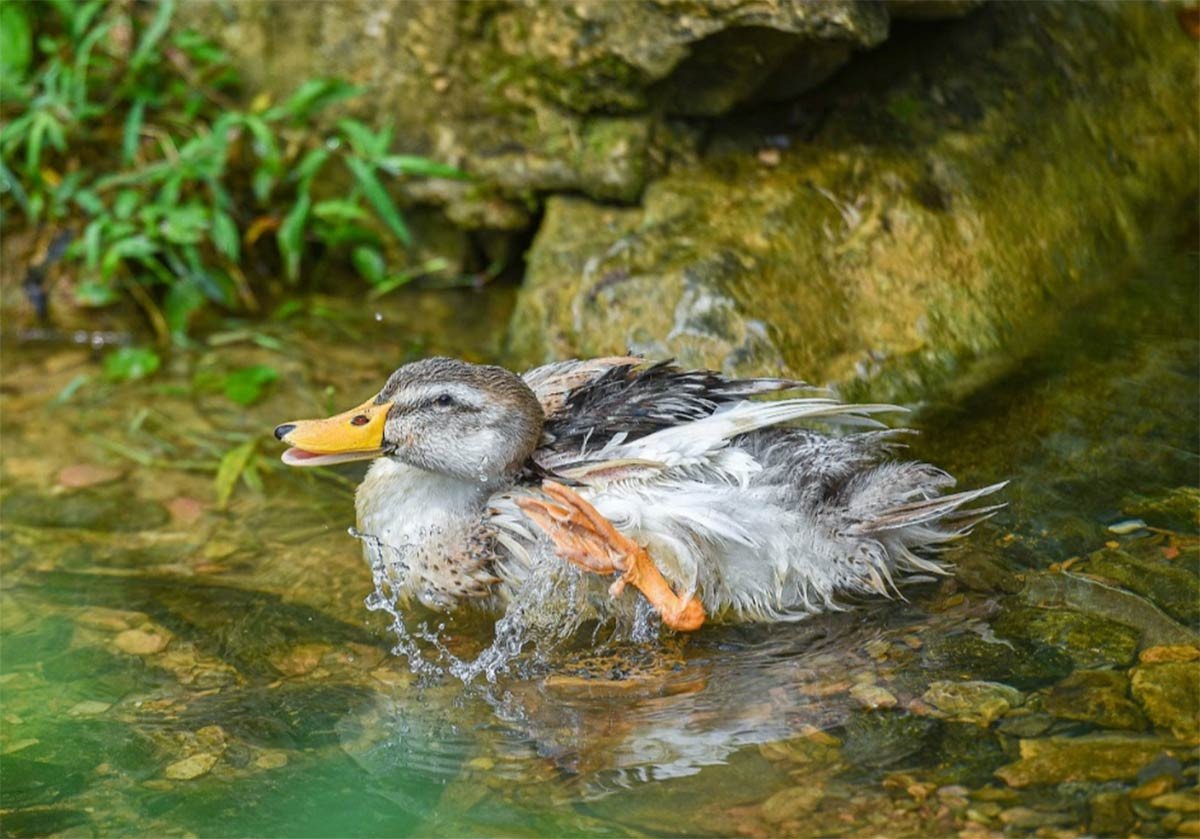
x: 356, y: 434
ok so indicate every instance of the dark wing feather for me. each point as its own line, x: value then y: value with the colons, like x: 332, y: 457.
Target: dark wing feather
x: 637, y: 400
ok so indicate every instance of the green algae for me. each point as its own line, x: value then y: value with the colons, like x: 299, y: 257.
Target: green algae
x: 1089, y: 640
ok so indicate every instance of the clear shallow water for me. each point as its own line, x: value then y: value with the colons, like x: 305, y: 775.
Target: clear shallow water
x: 171, y: 668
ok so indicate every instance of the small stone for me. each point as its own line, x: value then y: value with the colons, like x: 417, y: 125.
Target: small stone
x: 80, y: 475
x: 1124, y: 528
x: 191, y: 767
x: 218, y: 550
x: 110, y: 620
x: 1024, y: 817
x: 791, y: 804
x: 769, y: 157
x: 1153, y: 789
x: 1174, y: 652
x: 141, y: 642
x: 211, y: 737
x: 185, y: 510
x: 1189, y: 828
x: 299, y: 660
x: 974, y: 701
x: 481, y: 764
x: 1184, y: 802
x: 88, y: 708
x: 274, y: 759
x: 873, y: 697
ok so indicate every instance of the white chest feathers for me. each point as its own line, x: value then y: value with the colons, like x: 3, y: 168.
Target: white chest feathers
x: 424, y: 522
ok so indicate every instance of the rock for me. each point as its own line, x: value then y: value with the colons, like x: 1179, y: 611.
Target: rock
x: 873, y: 697
x: 1177, y: 652
x: 1110, y: 814
x: 141, y: 642
x: 1173, y: 589
x: 1152, y: 789
x: 274, y: 759
x: 80, y: 475
x: 191, y: 767
x: 1089, y: 640
x: 533, y: 97
x: 1098, y: 599
x: 1024, y: 817
x: 968, y: 655
x: 88, y: 708
x: 1183, y: 802
x: 973, y: 701
x: 300, y: 659
x: 1168, y: 693
x: 881, y: 252
x: 185, y: 510
x: 791, y: 804
x: 1189, y: 828
x: 1093, y: 757
x: 1100, y: 697
x: 876, y: 740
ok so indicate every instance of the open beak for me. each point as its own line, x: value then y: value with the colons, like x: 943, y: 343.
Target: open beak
x: 356, y: 434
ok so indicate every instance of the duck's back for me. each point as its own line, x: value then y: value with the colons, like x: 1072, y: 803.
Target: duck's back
x: 763, y: 520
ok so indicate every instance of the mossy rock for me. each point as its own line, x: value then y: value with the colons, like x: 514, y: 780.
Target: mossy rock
x: 1169, y: 692
x: 1090, y: 641
x: 878, y: 740
x: 541, y: 97
x: 893, y: 248
x: 1100, y: 697
x: 968, y: 655
x: 1173, y: 587
x: 1094, y: 757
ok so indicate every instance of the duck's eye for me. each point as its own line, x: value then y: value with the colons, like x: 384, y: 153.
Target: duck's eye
x: 444, y: 401
x: 359, y: 420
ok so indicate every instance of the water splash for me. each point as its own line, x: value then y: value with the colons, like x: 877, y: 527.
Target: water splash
x: 553, y: 603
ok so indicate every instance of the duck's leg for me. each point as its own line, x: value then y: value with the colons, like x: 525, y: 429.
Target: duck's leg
x: 589, y: 540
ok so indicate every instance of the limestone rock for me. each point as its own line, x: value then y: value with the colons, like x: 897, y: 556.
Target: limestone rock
x: 891, y: 246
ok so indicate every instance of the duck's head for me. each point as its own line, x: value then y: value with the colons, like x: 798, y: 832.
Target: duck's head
x: 469, y: 421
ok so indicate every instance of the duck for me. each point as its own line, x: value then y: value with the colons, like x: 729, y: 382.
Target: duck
x: 710, y: 497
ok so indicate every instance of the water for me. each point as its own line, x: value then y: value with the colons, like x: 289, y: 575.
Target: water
x: 171, y: 668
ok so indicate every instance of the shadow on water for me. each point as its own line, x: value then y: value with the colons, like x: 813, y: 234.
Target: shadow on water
x: 169, y: 667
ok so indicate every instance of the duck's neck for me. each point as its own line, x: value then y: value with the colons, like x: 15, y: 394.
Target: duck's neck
x: 406, y: 506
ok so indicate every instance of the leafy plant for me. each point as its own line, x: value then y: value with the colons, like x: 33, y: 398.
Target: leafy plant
x: 127, y: 130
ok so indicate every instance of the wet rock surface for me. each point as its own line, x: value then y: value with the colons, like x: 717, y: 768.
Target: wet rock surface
x: 879, y: 246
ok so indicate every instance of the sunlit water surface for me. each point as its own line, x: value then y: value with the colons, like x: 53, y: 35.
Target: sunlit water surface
x: 172, y: 668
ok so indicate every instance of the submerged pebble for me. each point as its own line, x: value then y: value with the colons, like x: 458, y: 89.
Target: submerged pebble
x: 191, y: 767
x: 141, y: 642
x: 973, y: 701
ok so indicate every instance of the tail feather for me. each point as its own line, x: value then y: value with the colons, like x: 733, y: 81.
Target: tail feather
x: 929, y: 510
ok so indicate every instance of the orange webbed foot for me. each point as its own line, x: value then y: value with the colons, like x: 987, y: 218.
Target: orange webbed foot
x: 584, y: 537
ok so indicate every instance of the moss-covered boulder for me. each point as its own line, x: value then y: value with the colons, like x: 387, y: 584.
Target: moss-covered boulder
x: 943, y: 199
x: 536, y: 97
x: 1169, y: 692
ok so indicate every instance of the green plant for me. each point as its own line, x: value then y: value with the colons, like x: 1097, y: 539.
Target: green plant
x: 126, y: 129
